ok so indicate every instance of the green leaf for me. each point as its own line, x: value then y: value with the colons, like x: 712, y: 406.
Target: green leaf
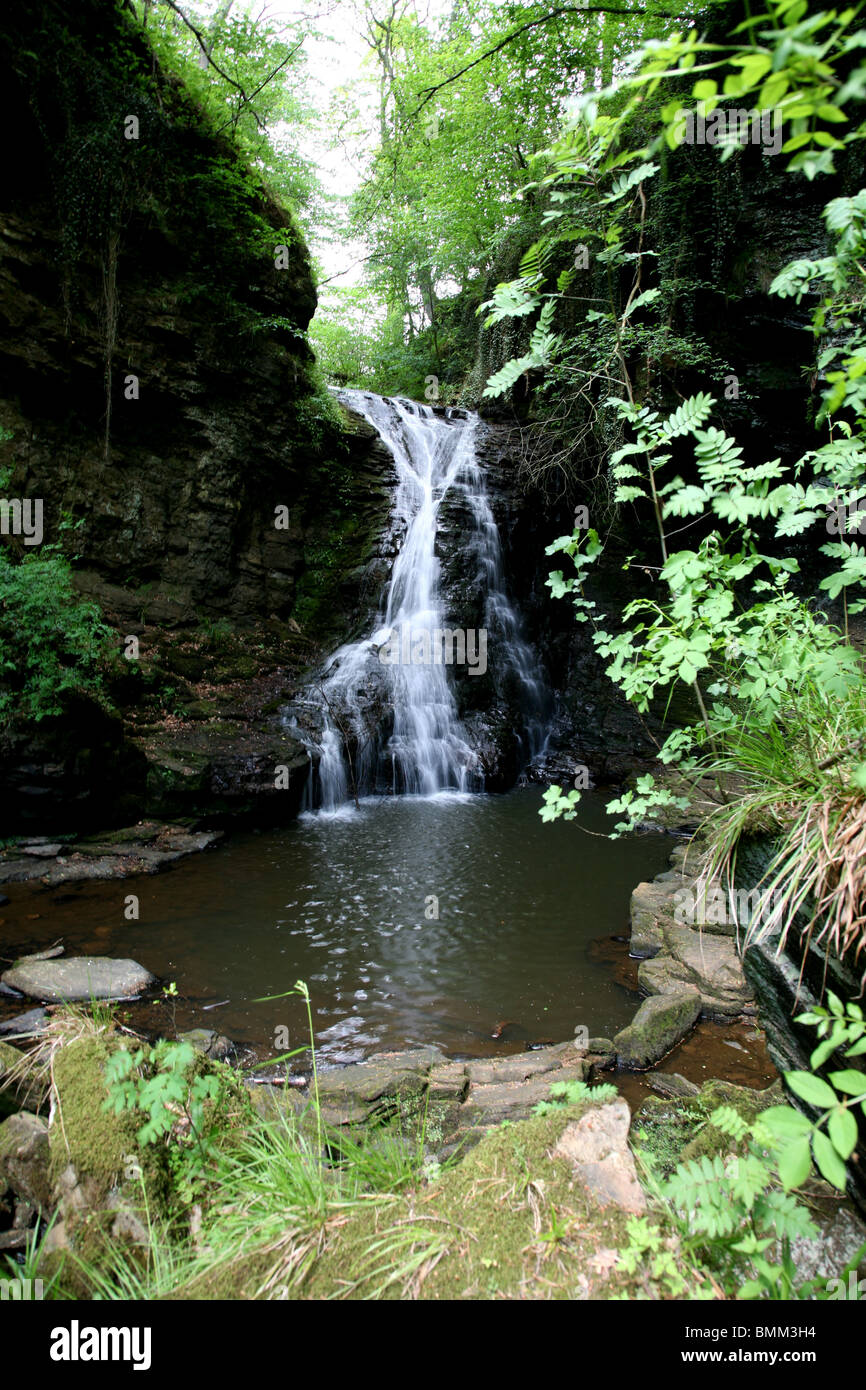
x: 795, y: 1163
x: 842, y: 1129
x: 810, y: 1088
x: 853, y: 1083
x: 785, y: 1121
x: 829, y: 1163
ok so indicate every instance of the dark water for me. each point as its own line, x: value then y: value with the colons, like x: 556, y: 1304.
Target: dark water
x: 340, y: 902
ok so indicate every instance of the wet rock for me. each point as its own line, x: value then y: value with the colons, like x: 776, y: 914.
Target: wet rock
x: 24, y: 1158
x: 651, y: 903
x: 513, y: 1100
x: 448, y: 1081
x: 676, y: 1128
x: 659, y: 1024
x: 145, y: 848
x: 504, y: 1069
x: 385, y: 1075
x: 670, y: 1083
x: 22, y: 1025
x: 597, y: 1146
x: 79, y: 978
x: 211, y: 1043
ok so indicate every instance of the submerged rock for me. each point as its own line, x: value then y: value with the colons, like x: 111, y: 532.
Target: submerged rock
x: 79, y: 978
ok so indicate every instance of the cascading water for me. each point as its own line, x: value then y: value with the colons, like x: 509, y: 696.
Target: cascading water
x: 427, y: 748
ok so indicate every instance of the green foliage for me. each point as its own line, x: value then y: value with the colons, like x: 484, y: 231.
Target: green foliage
x: 254, y: 86
x: 564, y: 1093
x: 736, y: 1214
x: 52, y: 642
x: 466, y: 102
x: 723, y: 619
x: 166, y: 1084
x: 657, y: 1257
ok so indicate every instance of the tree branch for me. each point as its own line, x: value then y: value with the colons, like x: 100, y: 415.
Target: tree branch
x: 533, y: 24
x: 212, y: 62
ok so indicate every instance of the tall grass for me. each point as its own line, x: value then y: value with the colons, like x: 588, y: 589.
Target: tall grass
x: 800, y: 781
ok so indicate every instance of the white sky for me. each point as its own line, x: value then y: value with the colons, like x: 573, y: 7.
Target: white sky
x: 335, y: 58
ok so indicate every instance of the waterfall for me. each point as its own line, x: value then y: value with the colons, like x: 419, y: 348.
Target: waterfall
x: 427, y: 748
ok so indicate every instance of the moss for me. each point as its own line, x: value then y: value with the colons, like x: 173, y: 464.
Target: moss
x: 670, y: 1131
x: 746, y: 1102
x: 477, y: 1232
x: 97, y: 1142
x: 484, y: 1222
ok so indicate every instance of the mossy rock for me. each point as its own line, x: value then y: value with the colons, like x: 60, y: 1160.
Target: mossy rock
x: 672, y: 1129
x: 743, y: 1099
x: 100, y: 1145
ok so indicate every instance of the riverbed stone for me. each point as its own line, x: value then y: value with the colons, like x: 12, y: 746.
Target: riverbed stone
x: 24, y: 1158
x: 448, y: 1081
x: 386, y: 1074
x: 513, y: 1100
x: 597, y: 1147
x: 79, y: 978
x: 519, y: 1068
x: 651, y: 904
x: 145, y: 848
x: 660, y: 1023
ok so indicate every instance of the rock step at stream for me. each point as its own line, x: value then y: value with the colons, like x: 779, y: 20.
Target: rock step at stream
x: 461, y: 1099
x: 676, y: 957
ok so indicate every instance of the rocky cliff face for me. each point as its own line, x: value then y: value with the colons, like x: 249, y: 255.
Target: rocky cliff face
x: 157, y: 391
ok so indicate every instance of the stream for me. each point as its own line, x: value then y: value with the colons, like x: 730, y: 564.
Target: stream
x: 340, y: 901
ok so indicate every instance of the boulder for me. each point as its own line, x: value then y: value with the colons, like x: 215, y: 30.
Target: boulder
x: 23, y: 1025
x: 520, y: 1068
x: 24, y: 1158
x: 79, y: 978
x: 651, y: 903
x: 659, y: 1024
x: 670, y: 1083
x: 597, y: 1146
x: 513, y: 1100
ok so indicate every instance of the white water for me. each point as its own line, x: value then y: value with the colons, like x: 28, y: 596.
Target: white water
x: 429, y: 751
